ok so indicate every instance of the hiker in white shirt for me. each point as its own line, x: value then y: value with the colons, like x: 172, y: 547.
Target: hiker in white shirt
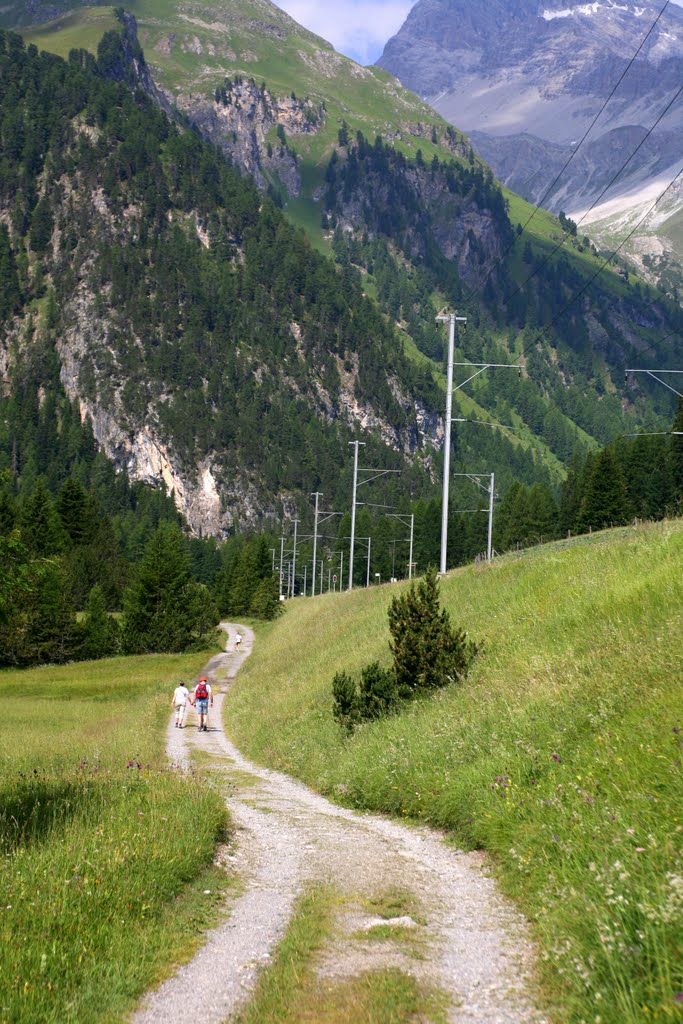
x: 238, y: 641
x: 181, y: 697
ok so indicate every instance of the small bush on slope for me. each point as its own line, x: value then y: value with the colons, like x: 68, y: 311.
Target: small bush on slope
x: 428, y: 654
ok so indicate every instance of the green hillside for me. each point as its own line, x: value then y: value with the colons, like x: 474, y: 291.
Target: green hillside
x: 560, y: 754
x: 396, y: 196
x: 106, y: 851
x: 192, y: 47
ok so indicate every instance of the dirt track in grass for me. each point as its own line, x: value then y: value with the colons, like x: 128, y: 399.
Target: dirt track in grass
x: 453, y: 930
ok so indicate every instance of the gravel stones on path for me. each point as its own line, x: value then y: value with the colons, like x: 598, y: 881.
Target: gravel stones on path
x: 473, y: 944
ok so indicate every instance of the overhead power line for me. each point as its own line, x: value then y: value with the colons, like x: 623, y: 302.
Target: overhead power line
x: 597, y: 116
x: 584, y: 288
x: 595, y: 203
x: 574, y: 152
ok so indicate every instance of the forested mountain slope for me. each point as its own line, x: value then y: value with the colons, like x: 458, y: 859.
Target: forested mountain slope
x: 207, y: 341
x: 239, y: 389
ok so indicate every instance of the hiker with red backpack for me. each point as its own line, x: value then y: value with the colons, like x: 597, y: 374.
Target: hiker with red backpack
x: 201, y: 695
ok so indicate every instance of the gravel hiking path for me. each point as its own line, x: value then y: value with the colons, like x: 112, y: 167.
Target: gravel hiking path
x: 464, y: 937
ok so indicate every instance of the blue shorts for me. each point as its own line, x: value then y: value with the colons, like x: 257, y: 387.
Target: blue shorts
x: 202, y: 707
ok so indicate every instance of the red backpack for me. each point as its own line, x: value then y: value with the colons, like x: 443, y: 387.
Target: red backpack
x: 201, y: 692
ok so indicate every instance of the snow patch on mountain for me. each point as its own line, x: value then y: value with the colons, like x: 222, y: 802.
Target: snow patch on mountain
x: 585, y: 9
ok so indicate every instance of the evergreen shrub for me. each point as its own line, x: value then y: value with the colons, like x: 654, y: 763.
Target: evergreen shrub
x: 428, y: 653
x: 346, y: 706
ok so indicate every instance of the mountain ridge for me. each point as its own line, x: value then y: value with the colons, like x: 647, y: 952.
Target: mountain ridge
x: 528, y: 104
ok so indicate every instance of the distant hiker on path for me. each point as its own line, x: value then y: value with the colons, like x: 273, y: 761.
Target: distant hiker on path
x: 181, y: 696
x: 238, y: 640
x: 201, y: 696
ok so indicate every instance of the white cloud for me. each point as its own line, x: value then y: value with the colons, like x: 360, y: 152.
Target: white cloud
x: 358, y: 28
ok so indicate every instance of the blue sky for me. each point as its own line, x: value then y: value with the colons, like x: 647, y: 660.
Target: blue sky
x: 360, y: 28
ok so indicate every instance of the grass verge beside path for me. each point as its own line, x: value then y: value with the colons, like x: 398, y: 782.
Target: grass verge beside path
x: 106, y: 852
x: 561, y: 754
x: 290, y: 992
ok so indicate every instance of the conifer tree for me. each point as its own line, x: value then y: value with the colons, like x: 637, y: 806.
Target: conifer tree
x: 509, y: 522
x: 50, y: 633
x: 427, y: 651
x: 100, y: 630
x: 677, y: 457
x: 8, y: 512
x: 41, y: 527
x: 648, y: 475
x: 265, y: 603
x: 16, y: 576
x: 605, y: 501
x: 164, y: 609
x: 542, y: 513
x: 240, y: 584
x: 10, y: 293
x: 76, y: 512
x: 41, y: 225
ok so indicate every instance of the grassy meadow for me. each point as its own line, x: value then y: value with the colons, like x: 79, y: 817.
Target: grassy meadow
x: 560, y: 754
x: 106, y: 852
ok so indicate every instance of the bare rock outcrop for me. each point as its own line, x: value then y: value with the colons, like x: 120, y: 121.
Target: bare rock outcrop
x: 252, y: 126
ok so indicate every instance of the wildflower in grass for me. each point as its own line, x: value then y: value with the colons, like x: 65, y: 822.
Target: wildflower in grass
x: 555, y: 757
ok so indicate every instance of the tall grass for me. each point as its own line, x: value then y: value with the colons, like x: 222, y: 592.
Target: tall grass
x: 99, y: 840
x: 561, y: 754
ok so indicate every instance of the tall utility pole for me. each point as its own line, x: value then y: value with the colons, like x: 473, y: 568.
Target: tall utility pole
x: 320, y: 518
x: 317, y: 496
x: 489, y: 545
x: 376, y: 473
x: 296, y: 523
x: 479, y: 367
x: 367, y: 575
x: 406, y: 519
x: 356, y: 445
x: 282, y: 555
x: 490, y: 490
x: 452, y: 319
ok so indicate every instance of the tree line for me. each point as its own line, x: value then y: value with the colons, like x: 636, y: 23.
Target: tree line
x: 67, y: 563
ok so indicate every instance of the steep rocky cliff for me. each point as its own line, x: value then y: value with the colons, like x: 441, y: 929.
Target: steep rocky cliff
x: 371, y: 189
x: 253, y: 126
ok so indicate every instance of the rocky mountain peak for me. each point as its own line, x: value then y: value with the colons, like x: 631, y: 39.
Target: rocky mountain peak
x: 557, y: 45
x: 528, y: 77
